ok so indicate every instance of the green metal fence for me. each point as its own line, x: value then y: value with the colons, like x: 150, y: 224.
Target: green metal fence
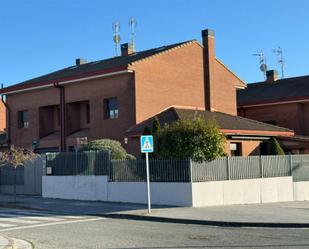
x: 300, y: 167
x: 226, y: 168
x: 7, y: 175
x: 235, y: 168
x: 159, y: 170
x: 78, y: 163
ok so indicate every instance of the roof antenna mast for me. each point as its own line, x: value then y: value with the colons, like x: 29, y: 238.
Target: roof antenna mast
x: 262, y: 61
x: 132, y: 25
x: 116, y: 36
x: 279, y: 53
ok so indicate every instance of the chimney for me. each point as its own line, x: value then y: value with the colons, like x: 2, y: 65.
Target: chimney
x: 208, y: 36
x: 80, y: 61
x: 271, y: 76
x: 126, y: 49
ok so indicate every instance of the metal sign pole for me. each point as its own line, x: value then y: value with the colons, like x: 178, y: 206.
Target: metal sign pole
x: 148, y: 183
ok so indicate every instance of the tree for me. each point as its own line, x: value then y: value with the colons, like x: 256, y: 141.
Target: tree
x: 16, y: 157
x: 156, y: 127
x: 112, y: 146
x: 275, y: 148
x: 195, y: 139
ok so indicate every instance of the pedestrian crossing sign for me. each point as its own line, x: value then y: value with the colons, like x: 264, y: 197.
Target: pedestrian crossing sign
x: 146, y: 144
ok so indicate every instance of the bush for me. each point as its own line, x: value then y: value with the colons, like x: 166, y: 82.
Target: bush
x: 113, y: 146
x: 275, y: 148
x: 195, y: 139
x: 130, y: 157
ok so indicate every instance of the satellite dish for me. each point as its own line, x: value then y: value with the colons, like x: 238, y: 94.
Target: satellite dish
x: 263, y: 67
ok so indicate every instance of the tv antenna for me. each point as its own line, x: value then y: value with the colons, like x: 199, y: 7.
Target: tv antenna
x: 262, y: 61
x: 132, y: 24
x: 279, y: 53
x: 116, y: 36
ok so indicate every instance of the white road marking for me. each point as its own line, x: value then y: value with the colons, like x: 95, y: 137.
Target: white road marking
x: 61, y: 216
x: 19, y: 220
x: 73, y: 217
x: 6, y: 225
x: 52, y: 224
x: 32, y: 217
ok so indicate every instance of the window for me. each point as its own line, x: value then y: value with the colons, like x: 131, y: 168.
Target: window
x: 23, y: 119
x: 110, y: 108
x: 235, y: 149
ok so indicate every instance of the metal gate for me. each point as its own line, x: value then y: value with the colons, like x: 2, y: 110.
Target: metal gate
x: 28, y: 178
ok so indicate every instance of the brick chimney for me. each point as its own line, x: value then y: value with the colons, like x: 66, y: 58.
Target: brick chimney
x: 80, y: 61
x: 208, y: 36
x: 271, y: 76
x: 126, y: 49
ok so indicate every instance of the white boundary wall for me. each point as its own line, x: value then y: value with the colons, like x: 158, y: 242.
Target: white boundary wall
x: 301, y: 191
x: 200, y: 194
x: 97, y: 188
x: 92, y: 188
x: 264, y: 190
x: 176, y: 194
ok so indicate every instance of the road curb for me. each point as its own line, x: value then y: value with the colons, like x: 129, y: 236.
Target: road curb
x: 204, y: 222
x: 145, y: 217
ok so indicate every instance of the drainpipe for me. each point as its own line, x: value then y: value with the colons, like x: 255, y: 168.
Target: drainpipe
x: 62, y: 117
x: 8, y: 120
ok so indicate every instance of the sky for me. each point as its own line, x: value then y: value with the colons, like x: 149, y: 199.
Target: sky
x: 41, y: 36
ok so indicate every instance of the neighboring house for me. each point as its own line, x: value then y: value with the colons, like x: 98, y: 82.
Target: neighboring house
x: 2, y: 116
x: 283, y: 102
x: 244, y: 136
x: 3, y: 128
x: 103, y: 99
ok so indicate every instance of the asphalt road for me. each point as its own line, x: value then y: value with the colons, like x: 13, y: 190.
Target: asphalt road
x: 66, y: 232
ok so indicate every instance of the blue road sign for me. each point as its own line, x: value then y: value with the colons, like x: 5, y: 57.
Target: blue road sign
x: 146, y: 144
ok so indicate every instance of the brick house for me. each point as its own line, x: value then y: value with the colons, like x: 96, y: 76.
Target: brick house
x: 107, y: 98
x: 283, y: 102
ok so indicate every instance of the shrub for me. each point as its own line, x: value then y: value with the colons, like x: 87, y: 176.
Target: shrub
x: 113, y: 146
x: 130, y: 157
x: 275, y: 148
x: 156, y: 127
x: 195, y: 139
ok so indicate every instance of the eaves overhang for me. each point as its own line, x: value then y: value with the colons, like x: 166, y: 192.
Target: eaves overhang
x: 66, y: 80
x: 256, y: 132
x: 282, y: 101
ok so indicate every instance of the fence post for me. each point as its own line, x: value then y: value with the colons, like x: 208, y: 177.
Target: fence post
x: 44, y: 161
x: 191, y: 172
x: 228, y: 168
x: 291, y: 164
x: 261, y: 167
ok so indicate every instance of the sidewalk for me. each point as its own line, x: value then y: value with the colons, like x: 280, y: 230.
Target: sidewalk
x: 286, y: 214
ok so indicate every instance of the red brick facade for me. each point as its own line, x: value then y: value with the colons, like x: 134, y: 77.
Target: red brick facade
x: 150, y: 85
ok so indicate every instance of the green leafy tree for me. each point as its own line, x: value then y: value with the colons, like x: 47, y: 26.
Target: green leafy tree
x: 112, y: 146
x: 156, y: 127
x: 275, y: 148
x: 14, y: 158
x: 195, y: 139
